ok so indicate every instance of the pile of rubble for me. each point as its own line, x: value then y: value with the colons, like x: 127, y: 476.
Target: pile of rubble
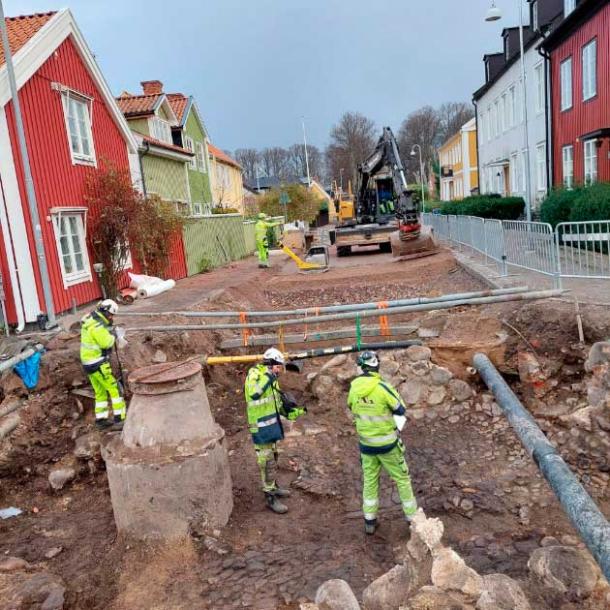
x: 432, y: 575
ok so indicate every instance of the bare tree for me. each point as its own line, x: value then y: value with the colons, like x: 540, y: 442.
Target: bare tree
x: 298, y: 163
x: 275, y: 162
x: 249, y: 159
x: 352, y: 140
x: 452, y: 116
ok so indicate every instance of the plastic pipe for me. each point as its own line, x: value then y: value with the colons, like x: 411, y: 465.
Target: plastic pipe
x: 587, y: 519
x: 24, y: 355
x: 307, y: 311
x: 525, y: 296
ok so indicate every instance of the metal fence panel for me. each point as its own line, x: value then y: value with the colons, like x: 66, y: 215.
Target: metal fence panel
x: 530, y: 245
x: 583, y: 249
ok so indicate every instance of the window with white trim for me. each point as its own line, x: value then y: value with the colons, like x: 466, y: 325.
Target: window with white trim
x: 71, y: 243
x: 201, y: 164
x: 566, y: 84
x: 568, y: 7
x: 77, y: 113
x: 535, y: 24
x: 541, y: 167
x: 190, y: 146
x: 590, y: 161
x: 489, y: 128
x: 197, y: 209
x: 589, y: 70
x: 539, y: 84
x: 161, y: 130
x: 514, y: 174
x: 511, y: 107
x: 496, y: 119
x: 567, y: 155
x: 504, y: 107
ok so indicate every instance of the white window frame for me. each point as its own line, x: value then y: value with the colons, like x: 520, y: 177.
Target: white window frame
x: 511, y: 106
x: 590, y: 161
x: 535, y: 23
x: 539, y: 84
x: 201, y: 157
x: 503, y: 109
x: 541, y: 166
x: 567, y: 96
x: 567, y: 159
x: 197, y: 209
x: 589, y: 70
x: 568, y: 7
x: 161, y: 130
x: 190, y: 146
x: 76, y: 276
x: 514, y: 173
x: 82, y: 132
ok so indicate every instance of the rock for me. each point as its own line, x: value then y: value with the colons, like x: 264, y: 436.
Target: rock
x: 335, y: 362
x: 436, y: 396
x: 56, y: 550
x: 467, y: 504
x: 549, y: 541
x: 440, y: 375
x: 388, y: 368
x: 308, y: 606
x: 60, y: 476
x: 460, y: 390
x: 12, y: 564
x: 336, y: 594
x: 38, y: 590
x: 450, y: 573
x: 87, y: 447
x: 496, y: 409
x: 417, y: 353
x: 159, y: 357
x: 322, y: 385
x: 502, y: 593
x: 348, y: 372
x: 413, y: 391
x: 599, y: 355
x: 565, y: 571
x: 582, y: 418
x: 426, y: 535
x: 432, y: 598
x: 390, y: 590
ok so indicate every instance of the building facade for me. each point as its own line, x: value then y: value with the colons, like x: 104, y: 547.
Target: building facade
x: 579, y: 51
x: 227, y: 180
x: 458, y: 161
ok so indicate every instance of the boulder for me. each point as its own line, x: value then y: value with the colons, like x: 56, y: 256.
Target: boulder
x: 322, y: 386
x: 388, y: 368
x: 433, y: 598
x: 335, y: 362
x: 58, y: 477
x: 440, y: 375
x: 347, y: 372
x: 390, y: 590
x: 88, y: 447
x: 426, y: 536
x: 413, y: 391
x: 565, y: 570
x: 450, y: 573
x: 159, y: 357
x: 502, y: 593
x: 336, y: 594
x: 38, y: 590
x: 417, y: 353
x: 12, y: 564
x: 436, y: 396
x: 460, y: 390
x: 582, y: 418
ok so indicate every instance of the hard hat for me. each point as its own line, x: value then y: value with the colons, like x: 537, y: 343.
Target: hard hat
x: 368, y: 361
x: 274, y: 356
x: 262, y: 216
x: 108, y: 306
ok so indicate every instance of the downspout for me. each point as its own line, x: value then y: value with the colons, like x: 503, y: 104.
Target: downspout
x: 142, y: 151
x: 476, y: 118
x: 548, y: 97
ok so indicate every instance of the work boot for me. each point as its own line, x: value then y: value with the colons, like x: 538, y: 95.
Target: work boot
x: 278, y: 492
x: 275, y: 505
x: 103, y: 424
x: 370, y: 525
x: 118, y: 423
x: 409, y: 519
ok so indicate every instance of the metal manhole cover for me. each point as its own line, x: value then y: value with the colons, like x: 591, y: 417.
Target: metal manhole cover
x: 165, y: 373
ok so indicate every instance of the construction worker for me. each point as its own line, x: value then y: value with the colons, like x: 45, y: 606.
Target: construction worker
x: 265, y: 403
x: 379, y: 417
x: 96, y: 343
x: 262, y: 241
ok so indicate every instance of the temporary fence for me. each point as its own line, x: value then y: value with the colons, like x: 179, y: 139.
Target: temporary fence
x: 573, y: 249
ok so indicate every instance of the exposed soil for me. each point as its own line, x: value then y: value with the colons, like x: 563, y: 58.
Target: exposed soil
x: 261, y: 560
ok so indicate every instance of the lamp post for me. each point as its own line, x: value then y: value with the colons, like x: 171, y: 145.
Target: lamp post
x: 306, y: 155
x: 421, y: 174
x: 341, y: 179
x: 494, y: 14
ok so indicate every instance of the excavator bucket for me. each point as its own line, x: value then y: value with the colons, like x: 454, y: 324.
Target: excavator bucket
x: 414, y: 247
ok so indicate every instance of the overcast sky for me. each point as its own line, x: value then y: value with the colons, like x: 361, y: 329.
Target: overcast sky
x: 256, y: 66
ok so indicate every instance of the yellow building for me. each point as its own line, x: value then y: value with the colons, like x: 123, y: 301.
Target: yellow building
x: 227, y: 180
x: 458, y: 159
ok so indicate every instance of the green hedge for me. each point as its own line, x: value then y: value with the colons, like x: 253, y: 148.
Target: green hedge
x: 486, y: 206
x: 558, y: 205
x: 592, y: 203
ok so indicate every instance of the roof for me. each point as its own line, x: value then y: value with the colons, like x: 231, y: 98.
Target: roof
x: 270, y: 182
x: 21, y: 29
x: 162, y: 144
x: 179, y: 103
x: 138, y: 105
x: 222, y: 156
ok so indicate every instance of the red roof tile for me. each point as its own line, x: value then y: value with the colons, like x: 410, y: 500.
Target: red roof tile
x: 21, y: 29
x: 137, y: 105
x: 178, y: 102
x: 222, y: 156
x: 161, y: 144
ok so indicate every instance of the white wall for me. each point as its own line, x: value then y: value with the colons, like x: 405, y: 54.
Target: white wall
x: 509, y: 144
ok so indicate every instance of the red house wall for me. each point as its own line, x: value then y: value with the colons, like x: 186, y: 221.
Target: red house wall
x: 583, y: 117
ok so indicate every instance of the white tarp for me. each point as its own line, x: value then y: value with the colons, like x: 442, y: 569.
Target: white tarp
x: 149, y: 286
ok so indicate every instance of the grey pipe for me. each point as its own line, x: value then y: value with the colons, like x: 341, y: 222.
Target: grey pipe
x: 525, y: 296
x: 588, y: 520
x: 311, y: 311
x: 24, y: 355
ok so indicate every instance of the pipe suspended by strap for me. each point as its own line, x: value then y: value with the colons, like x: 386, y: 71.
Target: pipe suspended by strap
x: 24, y: 355
x: 307, y: 311
x: 316, y: 353
x: 584, y: 514
x: 525, y: 296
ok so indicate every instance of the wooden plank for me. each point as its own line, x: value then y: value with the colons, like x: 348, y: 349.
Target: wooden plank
x: 317, y: 336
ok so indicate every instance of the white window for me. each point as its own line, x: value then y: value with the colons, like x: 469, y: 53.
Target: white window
x: 197, y: 209
x: 514, y: 173
x: 507, y: 47
x: 567, y: 153
x: 496, y: 119
x: 201, y: 158
x: 511, y: 107
x: 539, y: 84
x: 161, y: 130
x: 77, y: 112
x: 566, y: 84
x: 504, y: 110
x: 188, y: 144
x: 568, y: 7
x: 535, y: 23
x: 589, y: 70
x: 69, y: 230
x: 590, y: 161
x: 489, y: 127
x: 541, y: 167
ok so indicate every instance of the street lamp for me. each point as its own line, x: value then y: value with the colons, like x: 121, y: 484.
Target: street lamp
x: 494, y: 14
x: 341, y: 179
x: 421, y: 174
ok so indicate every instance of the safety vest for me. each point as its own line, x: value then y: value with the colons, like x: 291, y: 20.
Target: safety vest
x: 263, y: 403
x: 374, y: 404
x: 96, y: 340
x: 260, y: 230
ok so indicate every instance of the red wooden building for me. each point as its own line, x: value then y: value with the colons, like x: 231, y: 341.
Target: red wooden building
x: 72, y: 124
x: 579, y: 50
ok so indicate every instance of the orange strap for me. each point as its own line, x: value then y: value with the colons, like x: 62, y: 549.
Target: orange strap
x: 280, y: 335
x: 384, y: 325
x: 245, y: 332
x: 317, y: 313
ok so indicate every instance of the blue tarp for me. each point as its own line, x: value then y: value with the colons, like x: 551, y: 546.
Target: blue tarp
x: 28, y: 370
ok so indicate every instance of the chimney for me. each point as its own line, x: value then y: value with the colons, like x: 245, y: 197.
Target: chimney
x: 152, y: 87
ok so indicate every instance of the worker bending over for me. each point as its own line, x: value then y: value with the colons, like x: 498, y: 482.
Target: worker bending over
x: 265, y: 403
x: 262, y: 241
x: 96, y: 343
x: 379, y: 416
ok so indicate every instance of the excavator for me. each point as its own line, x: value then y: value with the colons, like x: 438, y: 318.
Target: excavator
x: 384, y: 211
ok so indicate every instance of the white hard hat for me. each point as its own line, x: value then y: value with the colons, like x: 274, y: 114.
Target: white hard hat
x: 109, y: 306
x: 274, y: 356
x: 368, y: 361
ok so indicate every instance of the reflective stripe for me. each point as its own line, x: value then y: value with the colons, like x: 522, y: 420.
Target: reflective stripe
x: 262, y: 401
x: 269, y: 422
x: 118, y: 401
x: 379, y: 439
x: 90, y: 346
x: 409, y: 504
x: 103, y: 403
x: 370, y: 516
x: 101, y: 414
x: 375, y: 418
x: 371, y: 502
x: 88, y: 362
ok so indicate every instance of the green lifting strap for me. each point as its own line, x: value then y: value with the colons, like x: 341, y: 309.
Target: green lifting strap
x: 358, y: 332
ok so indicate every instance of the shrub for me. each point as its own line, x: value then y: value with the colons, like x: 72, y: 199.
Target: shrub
x: 220, y: 210
x: 303, y: 204
x: 592, y: 203
x: 486, y: 206
x: 558, y: 205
